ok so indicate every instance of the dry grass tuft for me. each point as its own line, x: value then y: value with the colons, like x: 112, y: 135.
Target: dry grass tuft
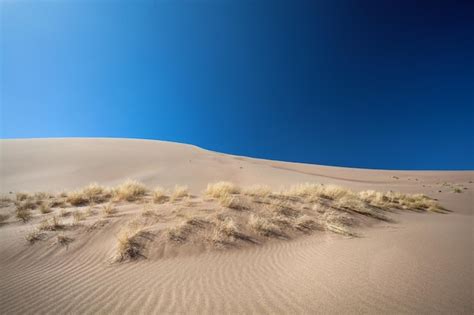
x: 283, y: 209
x: 77, y: 198
x: 108, y: 210
x: 22, y: 196
x: 148, y: 211
x: 64, y: 213
x: 313, y: 192
x: 130, y: 190
x: 305, y: 224
x: 128, y: 245
x: 220, y: 189
x: 159, y: 195
x: 181, y: 231
x: 224, y: 231
x: 232, y: 202
x: 33, y: 236
x: 96, y: 193
x: 62, y: 240
x: 28, y: 204
x: 78, y: 216
x: 52, y: 224
x: 263, y: 226
x: 23, y: 214
x: 257, y: 191
x: 179, y: 192
x: 45, y: 208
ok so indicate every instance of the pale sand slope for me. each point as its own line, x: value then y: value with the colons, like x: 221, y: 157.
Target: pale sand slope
x: 421, y: 264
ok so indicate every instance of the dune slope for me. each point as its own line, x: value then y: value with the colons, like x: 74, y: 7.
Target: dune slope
x: 420, y: 264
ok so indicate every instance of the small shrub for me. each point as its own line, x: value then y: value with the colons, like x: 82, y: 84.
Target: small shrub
x: 457, y: 190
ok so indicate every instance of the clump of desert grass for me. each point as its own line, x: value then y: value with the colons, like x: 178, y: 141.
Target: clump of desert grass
x: 148, y: 211
x: 78, y: 216
x: 27, y: 204
x: 263, y: 226
x: 20, y: 196
x: 220, y: 189
x: 159, y: 195
x: 313, y: 192
x: 96, y: 193
x: 108, y: 210
x: 23, y: 214
x: 33, y: 236
x: 62, y: 240
x: 45, y: 208
x: 128, y: 244
x: 52, y: 224
x: 179, y: 192
x: 77, y: 198
x: 395, y: 200
x: 225, y: 231
x: 261, y: 191
x: 130, y: 190
x: 181, y: 231
x: 305, y: 224
x: 232, y: 202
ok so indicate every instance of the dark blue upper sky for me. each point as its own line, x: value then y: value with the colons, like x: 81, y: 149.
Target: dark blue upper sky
x: 378, y: 84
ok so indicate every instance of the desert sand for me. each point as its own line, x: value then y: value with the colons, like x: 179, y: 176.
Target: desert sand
x: 416, y: 262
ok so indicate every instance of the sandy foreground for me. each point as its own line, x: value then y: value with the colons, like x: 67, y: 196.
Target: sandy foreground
x: 422, y: 263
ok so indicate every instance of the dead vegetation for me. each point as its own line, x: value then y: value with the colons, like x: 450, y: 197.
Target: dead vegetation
x: 130, y: 190
x: 227, y: 216
x: 179, y: 192
x: 128, y: 245
x: 159, y: 195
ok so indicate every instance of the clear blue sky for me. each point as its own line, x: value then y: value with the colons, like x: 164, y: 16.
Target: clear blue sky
x: 377, y: 84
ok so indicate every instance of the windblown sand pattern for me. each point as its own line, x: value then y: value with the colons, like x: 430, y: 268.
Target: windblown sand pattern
x: 202, y: 232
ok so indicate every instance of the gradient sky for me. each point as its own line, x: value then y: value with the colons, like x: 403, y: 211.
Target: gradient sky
x: 377, y: 84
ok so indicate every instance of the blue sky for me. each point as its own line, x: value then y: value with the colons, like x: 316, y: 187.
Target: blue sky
x: 376, y: 84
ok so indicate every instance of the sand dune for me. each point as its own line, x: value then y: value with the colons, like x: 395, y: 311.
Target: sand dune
x: 421, y: 263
